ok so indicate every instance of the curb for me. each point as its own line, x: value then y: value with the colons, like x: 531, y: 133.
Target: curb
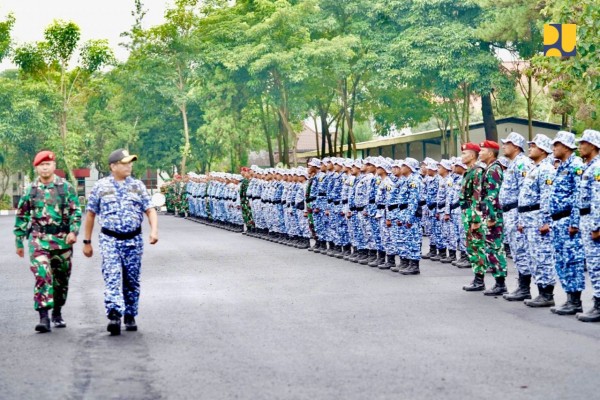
x: 7, y: 212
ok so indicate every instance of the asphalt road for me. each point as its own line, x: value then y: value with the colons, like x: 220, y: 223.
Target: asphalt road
x: 224, y: 316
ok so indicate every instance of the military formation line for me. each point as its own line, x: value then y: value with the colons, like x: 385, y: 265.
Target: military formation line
x: 544, y: 207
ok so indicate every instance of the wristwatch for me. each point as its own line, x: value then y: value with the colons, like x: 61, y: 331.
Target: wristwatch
x: 87, y: 241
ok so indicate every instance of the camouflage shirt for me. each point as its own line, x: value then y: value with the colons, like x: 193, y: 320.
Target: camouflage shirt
x: 470, y: 193
x: 46, y: 212
x: 491, y: 181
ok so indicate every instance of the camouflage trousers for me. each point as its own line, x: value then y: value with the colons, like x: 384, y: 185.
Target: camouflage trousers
x: 52, y: 270
x: 121, y: 264
x: 592, y: 251
x: 485, y: 249
x: 568, y: 257
x: 247, y: 214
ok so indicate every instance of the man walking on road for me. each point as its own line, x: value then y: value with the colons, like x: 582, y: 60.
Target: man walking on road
x: 48, y: 215
x: 120, y: 201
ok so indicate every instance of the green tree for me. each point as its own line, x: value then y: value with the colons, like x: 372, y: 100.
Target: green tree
x: 48, y: 62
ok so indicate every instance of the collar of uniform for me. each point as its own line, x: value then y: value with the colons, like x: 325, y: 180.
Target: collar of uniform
x: 54, y: 182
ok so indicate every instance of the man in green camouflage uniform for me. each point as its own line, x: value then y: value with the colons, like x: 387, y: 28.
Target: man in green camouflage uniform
x: 49, y: 216
x: 245, y: 203
x: 469, y: 199
x: 492, y: 216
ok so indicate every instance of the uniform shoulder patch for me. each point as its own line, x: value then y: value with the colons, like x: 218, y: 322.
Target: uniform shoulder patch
x: 413, y: 185
x: 524, y: 174
x: 548, y: 181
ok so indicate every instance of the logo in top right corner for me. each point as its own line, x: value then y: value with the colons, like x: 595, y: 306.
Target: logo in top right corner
x: 560, y: 40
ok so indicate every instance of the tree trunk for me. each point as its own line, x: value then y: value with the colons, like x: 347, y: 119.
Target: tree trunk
x: 489, y: 123
x: 530, y: 106
x: 316, y: 136
x: 186, y: 136
x: 265, y: 124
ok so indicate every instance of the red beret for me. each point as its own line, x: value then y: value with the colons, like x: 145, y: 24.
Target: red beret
x: 42, y: 156
x: 244, y: 169
x: 471, y: 146
x: 489, y: 144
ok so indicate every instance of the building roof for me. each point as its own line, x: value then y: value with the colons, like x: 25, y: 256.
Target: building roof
x: 431, y: 136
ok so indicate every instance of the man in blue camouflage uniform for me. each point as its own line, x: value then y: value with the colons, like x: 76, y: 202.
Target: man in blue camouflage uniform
x: 385, y: 186
x: 565, y: 216
x: 334, y: 207
x: 436, y: 252
x: 319, y: 192
x: 589, y: 210
x: 120, y: 201
x: 361, y: 202
x: 444, y: 210
x: 408, y: 218
x: 514, y: 176
x: 457, y: 236
x: 534, y: 220
x: 354, y: 229
x: 425, y: 221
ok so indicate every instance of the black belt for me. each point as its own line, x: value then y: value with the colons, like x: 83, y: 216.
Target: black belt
x: 403, y: 206
x: 322, y: 193
x: 422, y: 203
x: 432, y: 206
x: 311, y: 199
x: 344, y: 201
x: 533, y: 207
x: 329, y: 201
x: 509, y: 207
x: 352, y: 208
x: 464, y: 206
x: 359, y: 208
x: 372, y: 201
x: 381, y: 206
x: 585, y: 211
x: 336, y: 203
x: 454, y: 206
x: 122, y: 236
x: 392, y: 207
x: 50, y: 229
x: 560, y: 215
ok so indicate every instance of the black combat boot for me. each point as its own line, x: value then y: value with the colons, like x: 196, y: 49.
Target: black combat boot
x: 432, y: 252
x: 114, y: 323
x: 522, y: 292
x: 498, y: 289
x: 319, y: 246
x: 441, y: 253
x: 351, y: 252
x: 343, y: 251
x: 371, y: 256
x: 544, y: 299
x: 412, y: 269
x: 335, y: 250
x: 362, y: 255
x: 57, y: 319
x: 571, y: 307
x: 44, y: 325
x: 464, y: 261
x: 477, y: 285
x: 388, y: 262
x: 130, y: 324
x: 380, y: 257
x: 404, y: 264
x: 303, y: 243
x: 451, y: 257
x: 593, y: 314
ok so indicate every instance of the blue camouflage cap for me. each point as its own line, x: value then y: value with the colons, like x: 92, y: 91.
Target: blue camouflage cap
x: 412, y: 164
x: 446, y: 164
x: 315, y: 162
x: 516, y: 139
x: 566, y: 138
x: 591, y: 136
x: 543, y: 142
